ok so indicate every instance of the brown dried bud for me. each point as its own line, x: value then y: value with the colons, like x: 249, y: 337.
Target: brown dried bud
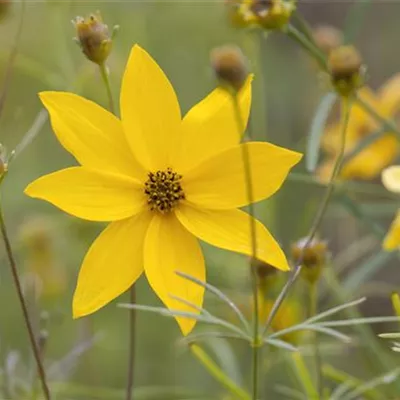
x: 327, y: 38
x: 93, y: 37
x: 230, y: 66
x: 272, y: 14
x: 346, y: 69
x: 312, y: 256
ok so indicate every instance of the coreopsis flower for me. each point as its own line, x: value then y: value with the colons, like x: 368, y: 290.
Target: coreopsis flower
x: 290, y: 313
x: 267, y: 14
x: 93, y: 37
x: 370, y: 161
x: 162, y: 182
x: 391, y: 180
x: 272, y: 14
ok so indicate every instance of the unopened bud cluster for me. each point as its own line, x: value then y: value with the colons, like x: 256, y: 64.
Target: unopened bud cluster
x: 93, y: 37
x: 230, y: 66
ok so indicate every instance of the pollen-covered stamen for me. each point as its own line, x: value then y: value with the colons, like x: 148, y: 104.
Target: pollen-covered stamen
x: 164, y: 190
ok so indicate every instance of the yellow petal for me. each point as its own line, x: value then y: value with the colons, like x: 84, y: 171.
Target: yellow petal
x: 90, y: 194
x: 150, y: 111
x: 219, y: 182
x: 112, y: 264
x: 169, y: 247
x: 210, y: 126
x: 230, y: 230
x: 392, y: 238
x: 358, y: 116
x: 391, y: 178
x: 370, y: 162
x: 390, y: 96
x: 90, y: 133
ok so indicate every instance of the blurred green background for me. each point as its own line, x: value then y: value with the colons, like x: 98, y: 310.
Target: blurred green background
x: 179, y: 35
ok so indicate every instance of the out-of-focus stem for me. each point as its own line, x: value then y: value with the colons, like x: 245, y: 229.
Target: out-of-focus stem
x: 11, y: 58
x: 304, y: 376
x: 131, y: 361
x: 346, y: 107
x: 313, y: 310
x: 217, y: 373
x: 132, y: 292
x: 253, y: 238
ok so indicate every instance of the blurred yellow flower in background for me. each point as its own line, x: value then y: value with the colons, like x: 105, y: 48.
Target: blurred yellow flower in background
x: 162, y: 182
x: 391, y: 180
x: 290, y: 313
x: 371, y: 160
x: 267, y: 14
x: 43, y: 271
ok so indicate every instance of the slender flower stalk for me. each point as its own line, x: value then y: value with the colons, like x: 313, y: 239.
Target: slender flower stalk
x: 309, y: 47
x: 132, y: 292
x: 132, y: 337
x: 346, y: 107
x: 106, y: 80
x: 24, y: 307
x: 253, y: 238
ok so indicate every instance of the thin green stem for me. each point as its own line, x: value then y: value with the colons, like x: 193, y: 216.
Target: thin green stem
x: 106, y: 80
x: 131, y: 353
x: 318, y: 218
x: 302, y: 40
x: 313, y: 310
x: 217, y: 373
x: 24, y: 307
x: 132, y: 292
x: 304, y: 27
x: 253, y: 238
x: 12, y: 57
x: 304, y: 376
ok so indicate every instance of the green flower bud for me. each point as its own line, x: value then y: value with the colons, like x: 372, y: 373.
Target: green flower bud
x: 346, y: 69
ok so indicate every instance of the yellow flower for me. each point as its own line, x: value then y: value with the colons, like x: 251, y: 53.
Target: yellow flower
x: 369, y: 162
x: 162, y: 182
x: 267, y: 14
x: 391, y: 180
x: 42, y: 269
x: 289, y: 314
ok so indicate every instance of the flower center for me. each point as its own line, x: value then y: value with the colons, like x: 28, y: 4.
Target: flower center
x: 163, y: 190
